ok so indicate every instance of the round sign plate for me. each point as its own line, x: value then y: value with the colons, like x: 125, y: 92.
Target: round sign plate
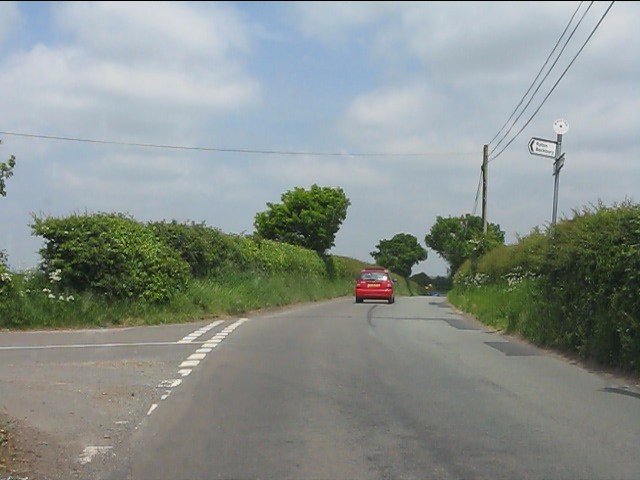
x: 560, y: 126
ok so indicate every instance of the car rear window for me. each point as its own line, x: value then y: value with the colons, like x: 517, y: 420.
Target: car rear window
x: 376, y: 276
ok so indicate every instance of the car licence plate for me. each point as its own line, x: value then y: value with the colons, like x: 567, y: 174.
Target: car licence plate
x: 373, y: 285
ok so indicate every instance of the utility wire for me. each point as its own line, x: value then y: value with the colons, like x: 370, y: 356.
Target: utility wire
x: 566, y: 43
x: 562, y: 35
x: 234, y: 150
x: 557, y: 82
x: 537, y: 76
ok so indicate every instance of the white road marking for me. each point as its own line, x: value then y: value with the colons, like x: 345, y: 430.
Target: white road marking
x: 201, y: 331
x: 197, y: 356
x: 170, y: 383
x: 194, y: 359
x: 190, y: 363
x: 186, y: 340
x: 90, y: 452
x: 87, y: 345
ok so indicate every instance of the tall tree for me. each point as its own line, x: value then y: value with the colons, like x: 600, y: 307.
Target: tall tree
x: 399, y: 254
x: 307, y: 218
x: 456, y: 239
x: 6, y: 171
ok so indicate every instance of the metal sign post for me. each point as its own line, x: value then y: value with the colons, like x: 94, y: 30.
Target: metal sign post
x: 560, y: 127
x: 557, y: 165
x: 551, y: 149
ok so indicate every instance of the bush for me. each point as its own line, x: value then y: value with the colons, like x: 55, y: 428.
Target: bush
x: 266, y: 257
x: 585, y: 297
x: 207, y: 250
x: 507, y: 263
x: 6, y: 283
x: 110, y: 254
x: 592, y: 278
x: 11, y: 299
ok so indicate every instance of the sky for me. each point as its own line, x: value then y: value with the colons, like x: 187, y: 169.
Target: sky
x: 207, y: 111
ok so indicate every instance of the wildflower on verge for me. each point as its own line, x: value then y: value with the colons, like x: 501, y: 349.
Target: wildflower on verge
x: 55, y: 275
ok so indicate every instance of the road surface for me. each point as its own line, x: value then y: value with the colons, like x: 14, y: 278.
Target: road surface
x: 339, y: 390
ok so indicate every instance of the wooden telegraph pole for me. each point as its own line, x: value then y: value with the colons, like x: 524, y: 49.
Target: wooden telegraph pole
x: 485, y: 168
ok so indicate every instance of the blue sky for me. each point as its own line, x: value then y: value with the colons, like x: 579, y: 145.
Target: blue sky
x: 420, y: 85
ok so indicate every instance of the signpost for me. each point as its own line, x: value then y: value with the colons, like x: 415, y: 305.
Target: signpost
x: 551, y: 149
x: 542, y: 147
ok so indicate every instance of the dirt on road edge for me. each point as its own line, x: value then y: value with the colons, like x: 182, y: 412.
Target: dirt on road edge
x: 27, y: 453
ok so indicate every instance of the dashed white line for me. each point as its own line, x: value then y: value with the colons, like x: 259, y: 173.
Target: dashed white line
x: 201, y: 331
x: 170, y: 383
x: 190, y: 363
x: 195, y: 358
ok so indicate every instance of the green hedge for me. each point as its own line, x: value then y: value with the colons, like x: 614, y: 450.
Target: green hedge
x: 592, y: 278
x: 207, y: 250
x: 110, y: 254
x: 586, y: 272
x: 269, y: 257
x: 113, y: 255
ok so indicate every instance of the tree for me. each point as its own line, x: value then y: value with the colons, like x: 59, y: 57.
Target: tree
x: 456, y: 239
x: 6, y: 171
x: 399, y: 254
x: 307, y: 218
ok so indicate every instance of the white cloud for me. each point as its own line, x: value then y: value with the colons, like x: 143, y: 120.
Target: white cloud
x: 129, y: 66
x: 437, y: 78
x: 162, y: 32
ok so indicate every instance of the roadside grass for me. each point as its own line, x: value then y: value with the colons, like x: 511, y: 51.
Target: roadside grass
x: 33, y: 306
x: 507, y: 308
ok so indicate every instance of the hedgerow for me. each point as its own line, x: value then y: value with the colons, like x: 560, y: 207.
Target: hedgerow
x: 584, y: 279
x: 207, y: 250
x: 270, y: 257
x: 110, y: 254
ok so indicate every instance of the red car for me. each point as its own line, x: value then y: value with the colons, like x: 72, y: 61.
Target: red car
x: 375, y: 283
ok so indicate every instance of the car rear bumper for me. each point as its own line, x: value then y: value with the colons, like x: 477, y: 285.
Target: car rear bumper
x: 373, y: 294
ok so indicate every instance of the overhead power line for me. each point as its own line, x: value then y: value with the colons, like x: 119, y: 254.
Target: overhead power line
x: 545, y: 98
x: 537, y: 76
x: 566, y: 43
x: 566, y: 28
x: 233, y: 150
x: 557, y: 81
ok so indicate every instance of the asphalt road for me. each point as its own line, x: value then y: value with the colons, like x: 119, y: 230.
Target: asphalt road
x: 338, y: 390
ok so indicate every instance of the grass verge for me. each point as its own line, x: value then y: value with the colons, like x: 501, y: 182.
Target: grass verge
x: 35, y: 308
